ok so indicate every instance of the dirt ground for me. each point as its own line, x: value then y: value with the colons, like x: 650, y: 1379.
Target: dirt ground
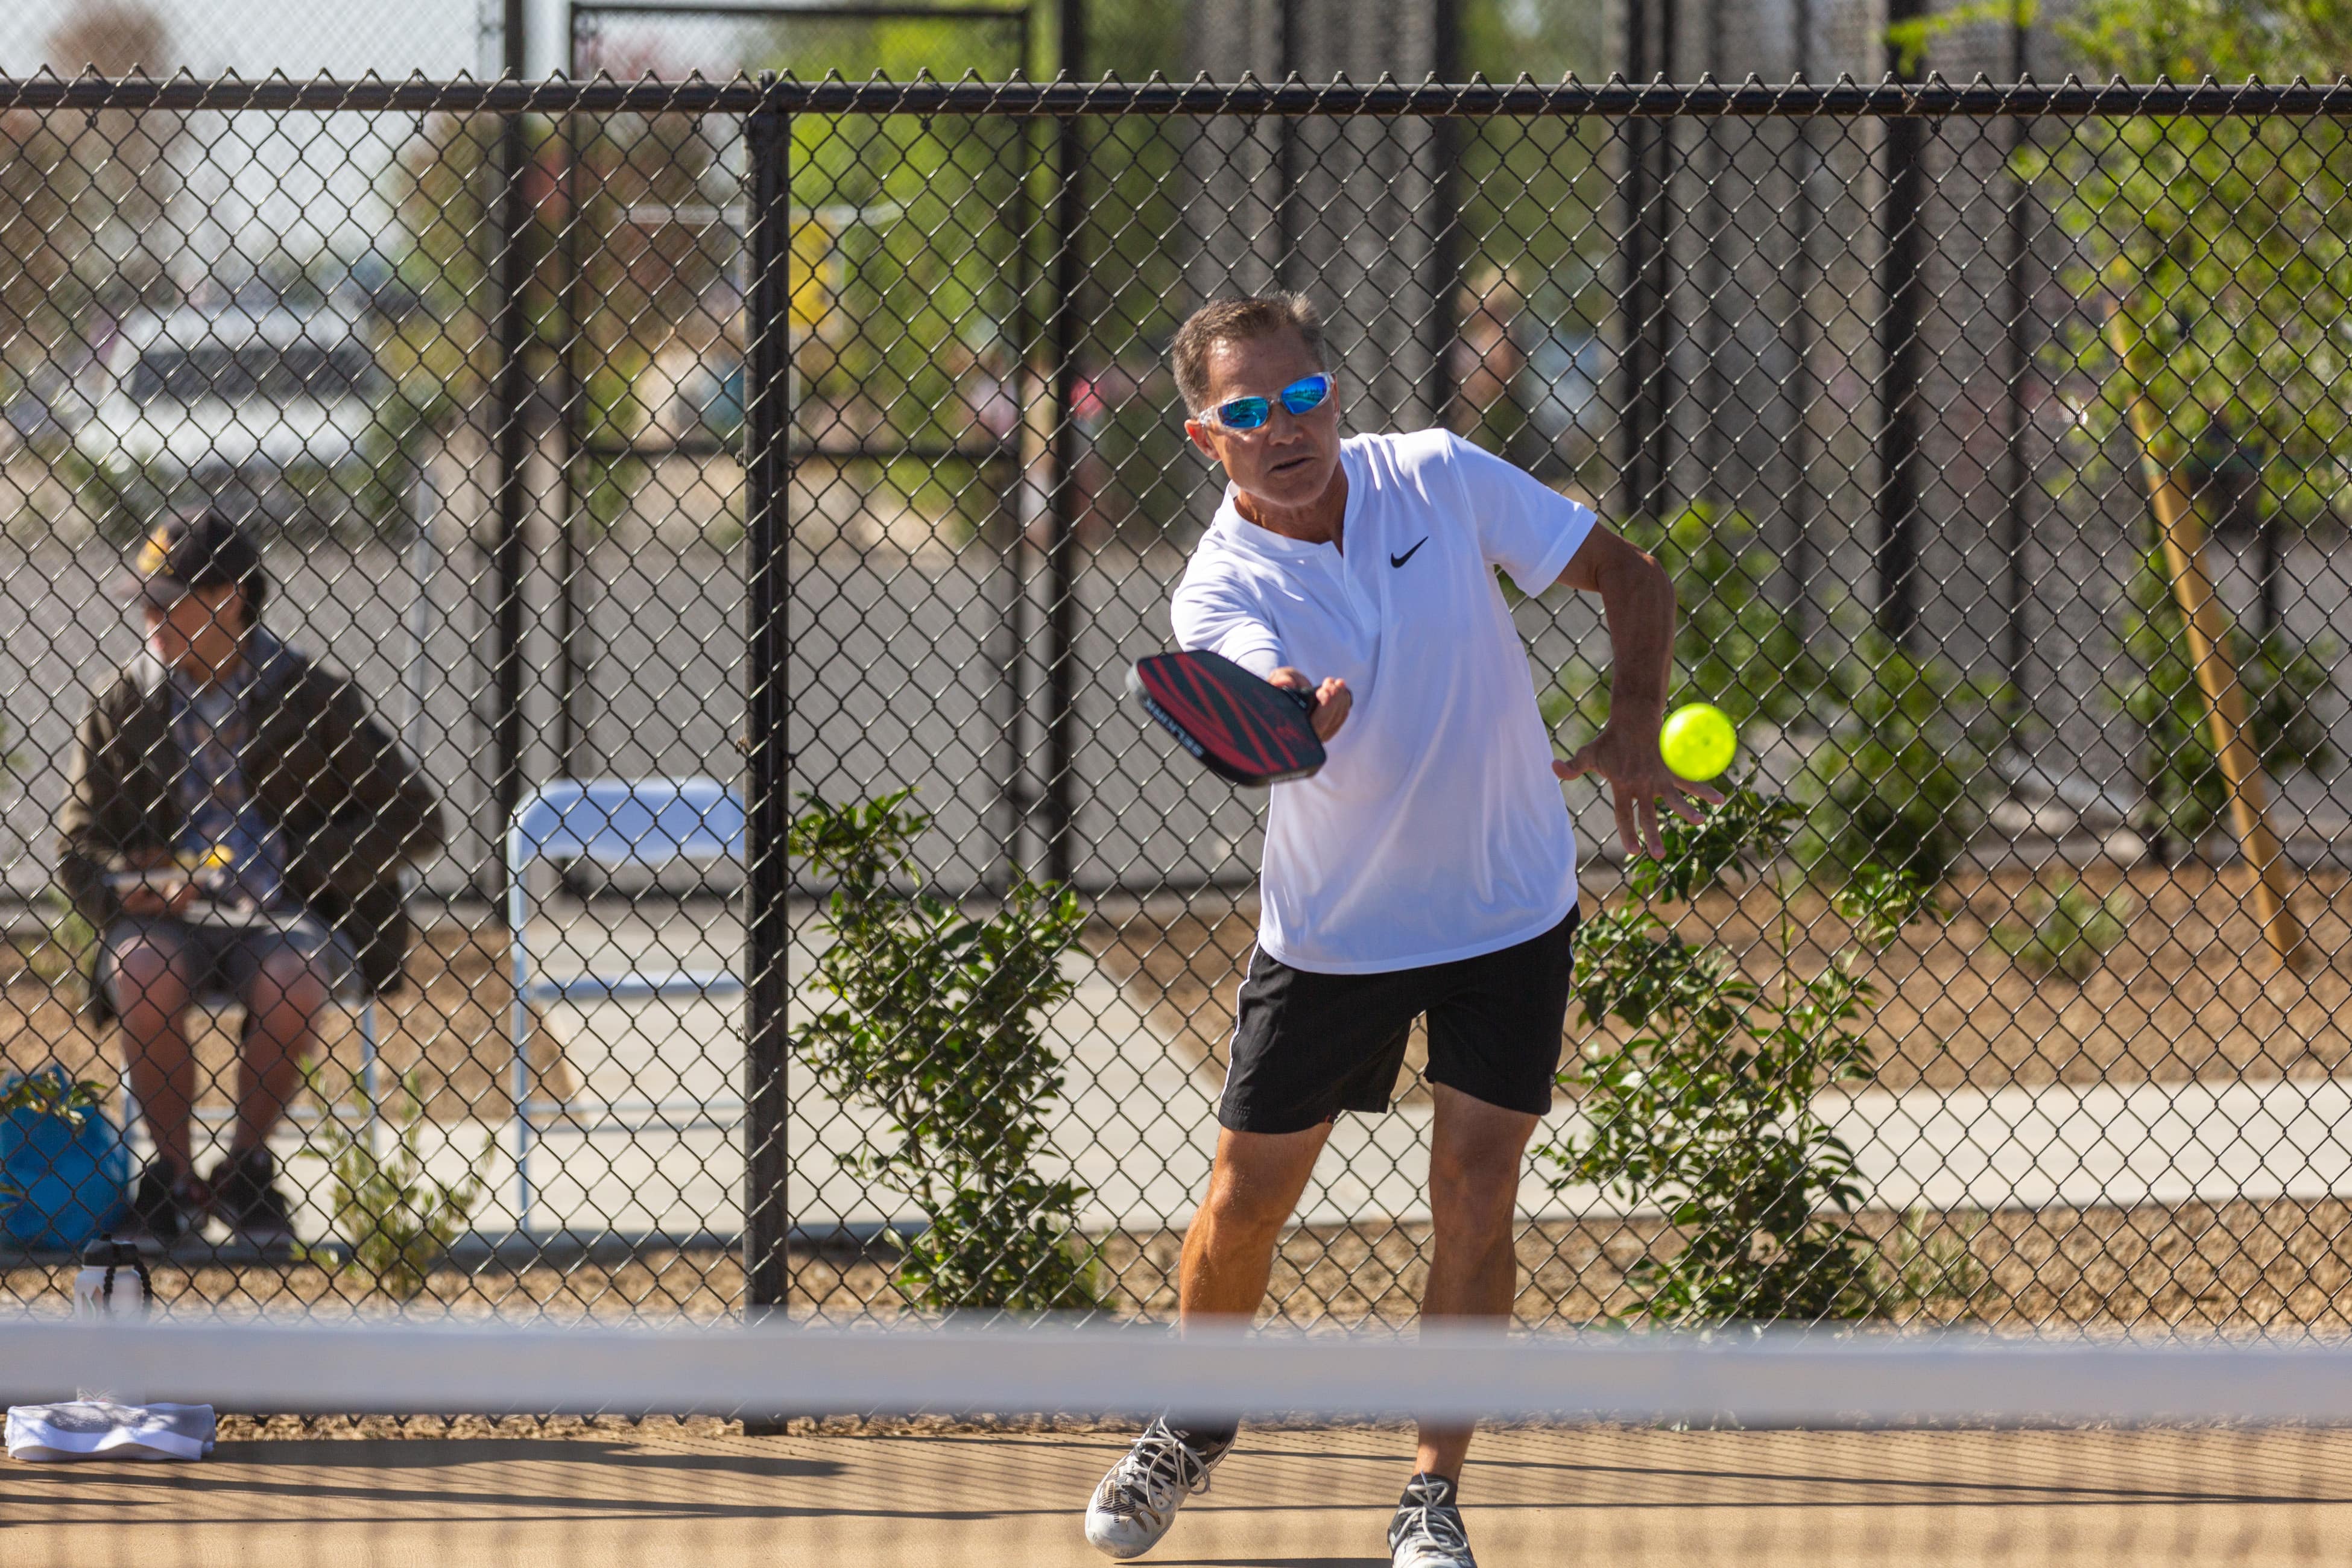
x: 446, y: 1032
x: 2276, y: 1265
x: 2190, y: 993
x: 1308, y: 1498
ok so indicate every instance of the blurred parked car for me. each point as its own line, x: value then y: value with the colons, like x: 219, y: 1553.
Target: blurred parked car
x: 279, y: 415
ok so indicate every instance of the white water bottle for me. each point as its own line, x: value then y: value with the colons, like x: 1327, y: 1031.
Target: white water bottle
x: 111, y: 1285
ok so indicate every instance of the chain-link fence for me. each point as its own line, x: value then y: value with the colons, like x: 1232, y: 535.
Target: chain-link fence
x: 671, y: 469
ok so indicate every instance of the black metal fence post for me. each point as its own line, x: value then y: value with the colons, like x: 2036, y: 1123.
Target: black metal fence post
x: 1804, y: 499
x: 1649, y: 51
x: 1289, y: 41
x: 570, y: 423
x: 767, y: 475
x: 2016, y: 469
x: 1062, y: 559
x: 1901, y: 354
x: 510, y: 556
x: 1440, y: 327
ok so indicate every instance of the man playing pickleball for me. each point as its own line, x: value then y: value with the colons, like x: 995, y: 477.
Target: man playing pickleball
x: 1429, y: 869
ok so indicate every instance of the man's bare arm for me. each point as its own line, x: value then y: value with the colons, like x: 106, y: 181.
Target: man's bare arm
x: 1637, y: 599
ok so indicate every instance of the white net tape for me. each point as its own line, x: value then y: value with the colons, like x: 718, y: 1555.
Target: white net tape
x: 1754, y: 1380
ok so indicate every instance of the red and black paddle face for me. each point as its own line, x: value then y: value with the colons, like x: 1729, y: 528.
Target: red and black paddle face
x: 1243, y: 727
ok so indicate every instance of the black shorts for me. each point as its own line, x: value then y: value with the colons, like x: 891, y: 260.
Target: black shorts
x: 1308, y: 1045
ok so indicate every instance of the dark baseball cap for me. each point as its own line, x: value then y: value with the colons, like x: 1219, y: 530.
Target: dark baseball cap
x: 200, y: 550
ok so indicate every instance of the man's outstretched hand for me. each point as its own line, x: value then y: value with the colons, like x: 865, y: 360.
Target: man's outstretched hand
x: 1638, y: 778
x: 1333, y: 700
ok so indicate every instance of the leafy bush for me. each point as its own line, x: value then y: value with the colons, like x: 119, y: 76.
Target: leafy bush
x: 396, y: 1219
x: 938, y: 1025
x: 1899, y: 780
x: 1734, y: 646
x: 67, y: 954
x: 1706, y: 1106
x: 1899, y: 746
x: 2067, y: 935
x: 1878, y: 903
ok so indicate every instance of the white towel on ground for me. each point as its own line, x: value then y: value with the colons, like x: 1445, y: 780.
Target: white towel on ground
x: 102, y: 1429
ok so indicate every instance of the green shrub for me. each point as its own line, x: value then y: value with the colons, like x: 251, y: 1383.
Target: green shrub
x: 1898, y: 748
x: 2070, y: 934
x: 1899, y: 779
x: 939, y: 1025
x: 67, y: 956
x: 1706, y: 1106
x: 397, y: 1220
x: 1734, y: 646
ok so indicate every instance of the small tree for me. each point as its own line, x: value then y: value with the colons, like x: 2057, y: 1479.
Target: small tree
x: 1706, y: 1105
x: 938, y: 1024
x: 2216, y: 270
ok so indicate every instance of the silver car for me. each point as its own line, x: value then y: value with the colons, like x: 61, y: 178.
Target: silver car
x: 275, y: 416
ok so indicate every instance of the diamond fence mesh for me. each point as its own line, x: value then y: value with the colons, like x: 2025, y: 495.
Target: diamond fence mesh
x: 654, y: 481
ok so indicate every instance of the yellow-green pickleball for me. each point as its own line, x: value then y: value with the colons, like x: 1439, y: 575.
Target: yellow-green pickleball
x: 1698, y: 741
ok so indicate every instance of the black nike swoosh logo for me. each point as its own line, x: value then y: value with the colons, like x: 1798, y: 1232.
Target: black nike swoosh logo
x: 1401, y: 560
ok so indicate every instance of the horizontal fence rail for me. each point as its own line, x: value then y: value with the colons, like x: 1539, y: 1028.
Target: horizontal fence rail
x: 1616, y: 98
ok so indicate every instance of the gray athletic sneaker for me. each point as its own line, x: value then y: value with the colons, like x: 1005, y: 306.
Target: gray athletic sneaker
x: 1427, y: 1530
x: 1137, y: 1500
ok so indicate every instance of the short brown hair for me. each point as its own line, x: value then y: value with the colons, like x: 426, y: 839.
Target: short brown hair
x: 1235, y: 320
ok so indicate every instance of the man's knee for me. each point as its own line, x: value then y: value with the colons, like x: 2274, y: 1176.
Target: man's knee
x: 1475, y: 1185
x: 1248, y: 1200
x: 290, y: 982
x: 1243, y: 1213
x: 145, y: 971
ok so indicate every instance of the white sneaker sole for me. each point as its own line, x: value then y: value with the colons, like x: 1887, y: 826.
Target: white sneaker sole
x: 1116, y: 1549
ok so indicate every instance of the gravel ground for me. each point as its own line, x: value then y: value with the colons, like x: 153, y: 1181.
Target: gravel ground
x: 2278, y: 1267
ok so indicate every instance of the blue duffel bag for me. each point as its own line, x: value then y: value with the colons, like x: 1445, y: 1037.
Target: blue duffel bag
x: 63, y: 1181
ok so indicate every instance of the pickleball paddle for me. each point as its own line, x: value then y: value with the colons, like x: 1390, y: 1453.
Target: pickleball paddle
x: 1241, y: 726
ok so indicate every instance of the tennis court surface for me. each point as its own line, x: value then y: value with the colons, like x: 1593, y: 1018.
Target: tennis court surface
x: 2039, y: 1478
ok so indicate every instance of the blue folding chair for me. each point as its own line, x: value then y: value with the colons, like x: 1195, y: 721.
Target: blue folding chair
x: 610, y: 823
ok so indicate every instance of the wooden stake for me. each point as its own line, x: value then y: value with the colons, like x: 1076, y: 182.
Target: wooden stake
x: 2208, y: 648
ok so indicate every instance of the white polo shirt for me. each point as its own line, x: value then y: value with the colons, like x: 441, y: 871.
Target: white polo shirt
x: 1436, y: 830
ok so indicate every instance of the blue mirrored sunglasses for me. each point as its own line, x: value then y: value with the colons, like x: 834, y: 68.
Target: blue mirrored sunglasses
x: 1251, y: 413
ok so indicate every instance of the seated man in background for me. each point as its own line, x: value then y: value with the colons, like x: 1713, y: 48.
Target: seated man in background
x: 236, y: 827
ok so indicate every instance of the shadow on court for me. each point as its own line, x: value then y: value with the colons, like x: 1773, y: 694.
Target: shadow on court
x: 1285, y: 1500
x: 441, y: 1453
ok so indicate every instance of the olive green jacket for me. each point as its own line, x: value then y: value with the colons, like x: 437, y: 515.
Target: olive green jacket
x: 348, y: 805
